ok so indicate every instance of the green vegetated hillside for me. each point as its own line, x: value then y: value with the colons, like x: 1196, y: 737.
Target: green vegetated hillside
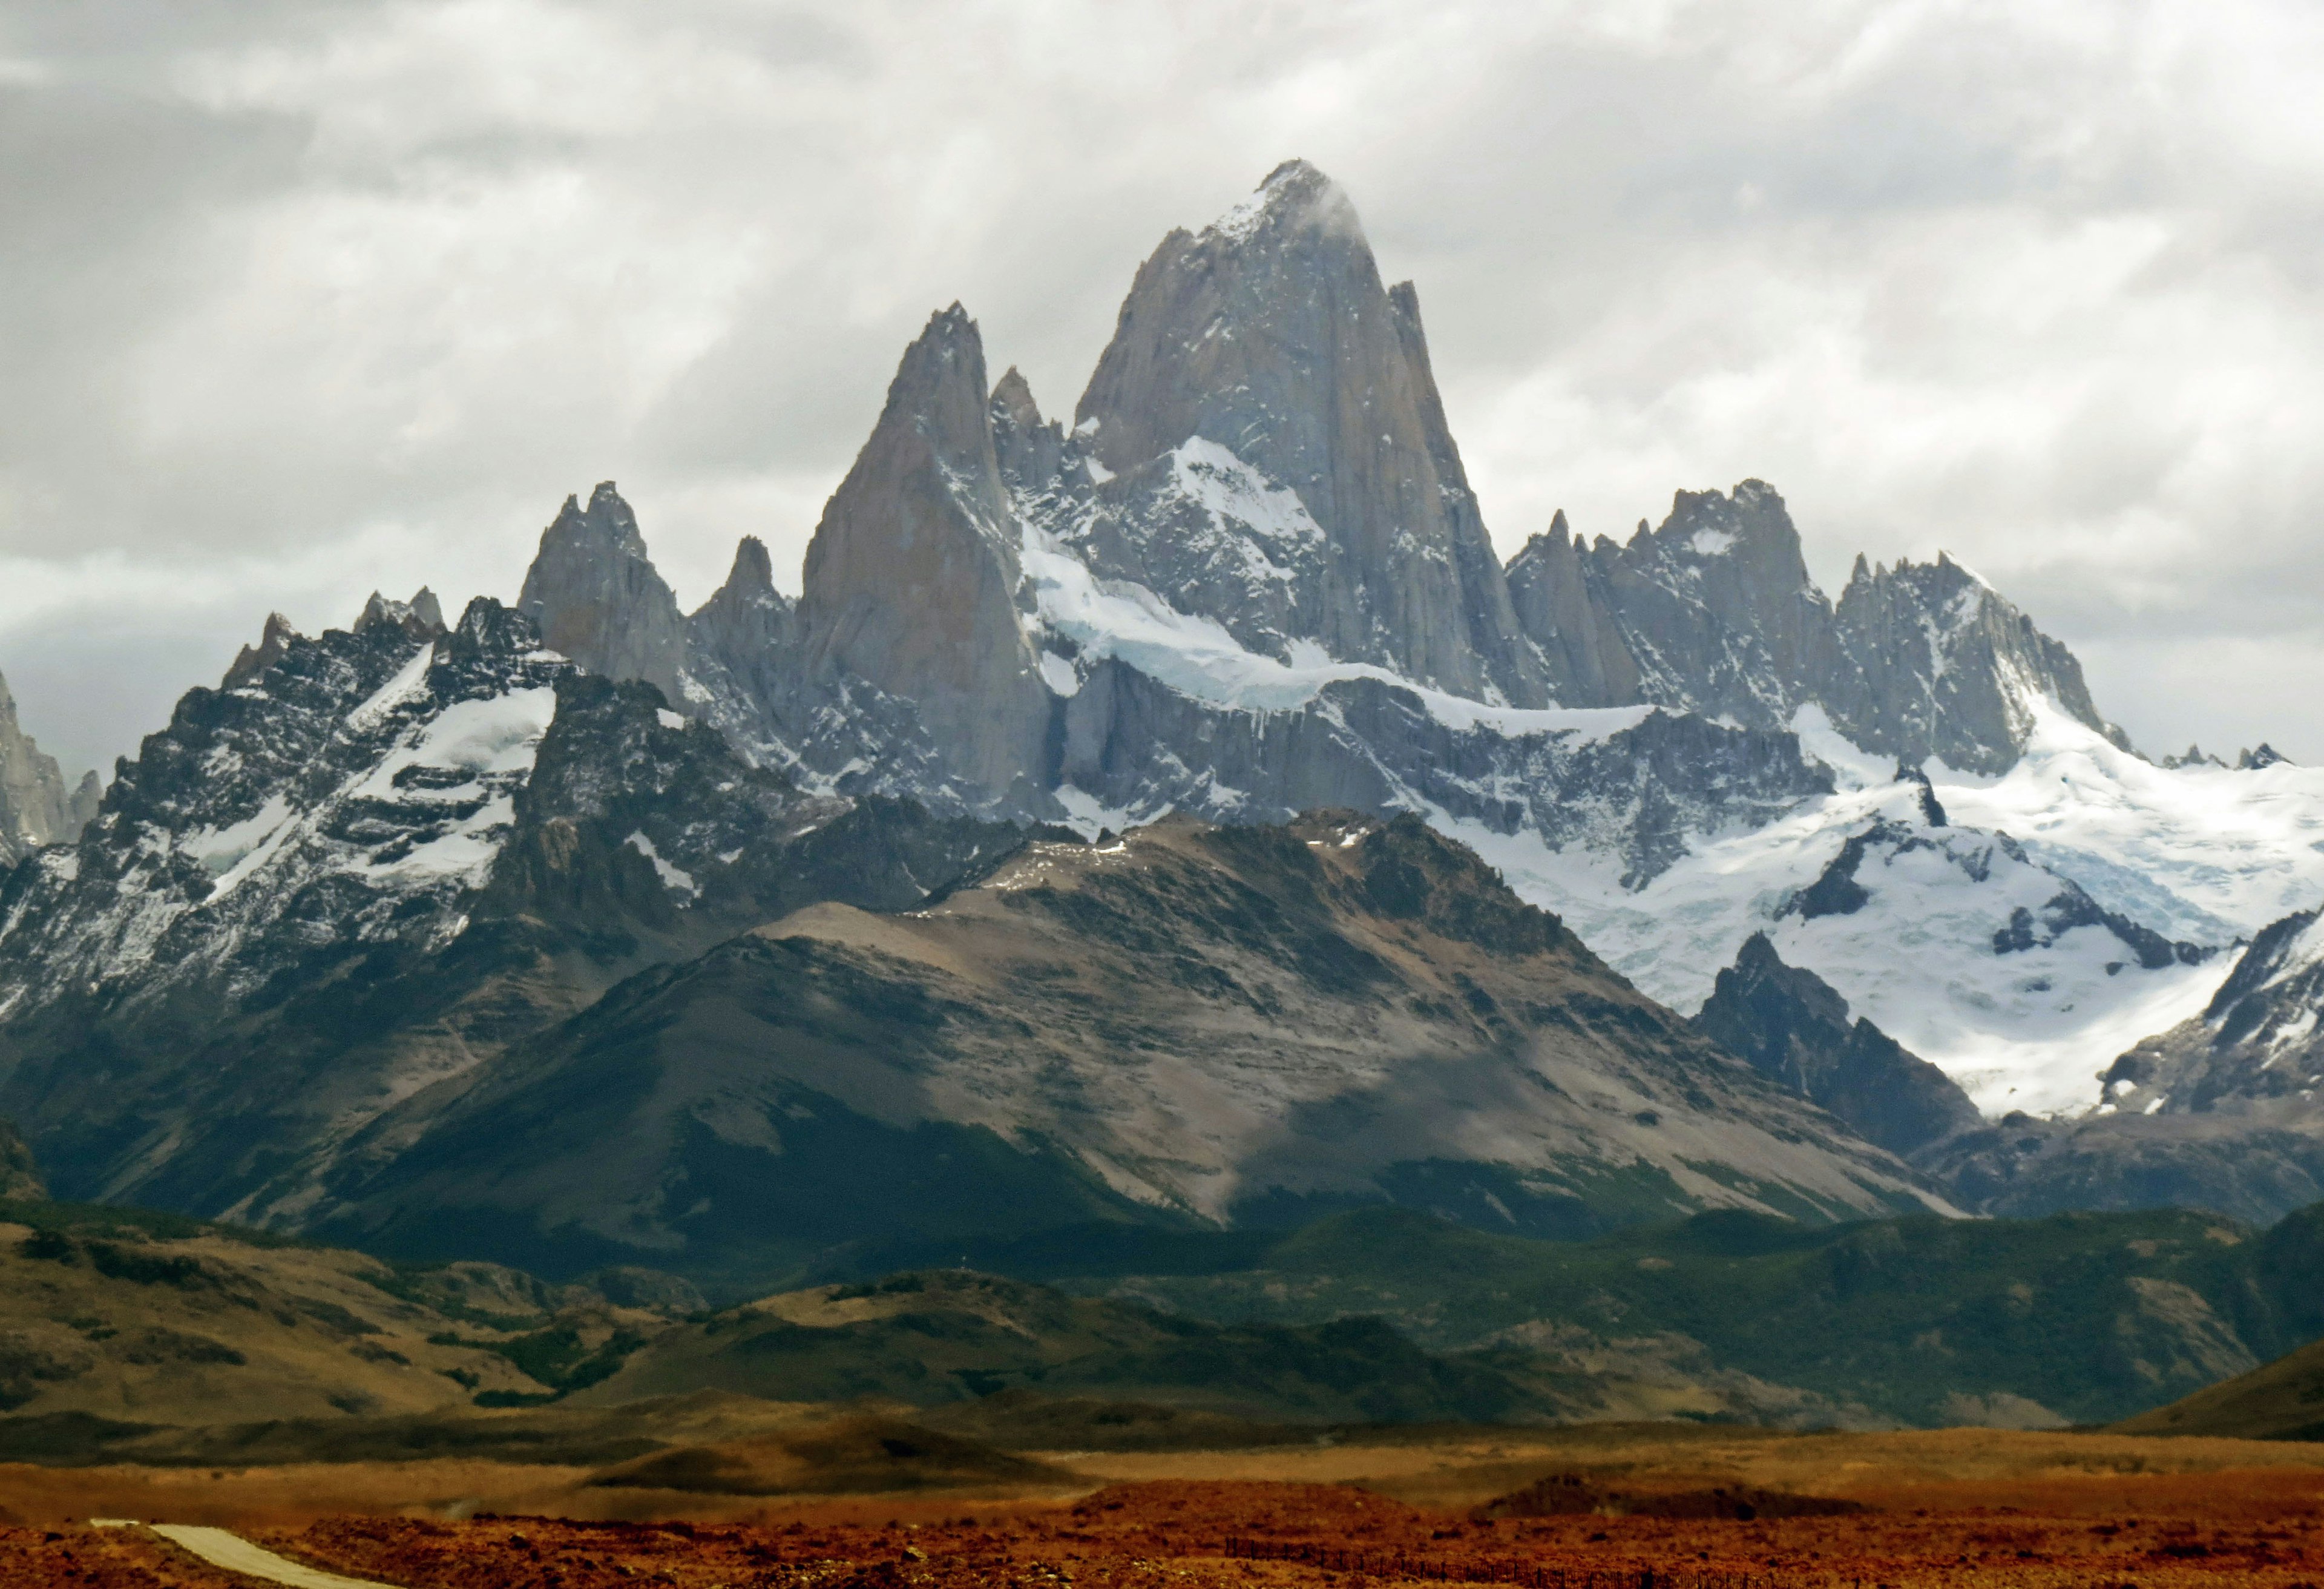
x: 944, y: 1336
x: 2076, y: 1318
x: 128, y: 1336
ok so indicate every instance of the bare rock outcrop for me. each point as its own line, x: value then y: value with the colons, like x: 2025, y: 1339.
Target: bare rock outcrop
x: 1713, y: 611
x: 1264, y: 380
x: 596, y: 598
x: 34, y: 807
x: 1949, y: 667
x: 1794, y: 1027
x: 911, y: 579
x: 251, y: 661
x: 747, y: 629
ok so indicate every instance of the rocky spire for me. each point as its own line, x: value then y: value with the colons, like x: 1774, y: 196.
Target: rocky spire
x: 1717, y: 597
x: 911, y: 579
x: 595, y: 596
x: 1563, y: 610
x: 34, y: 807
x: 747, y: 626
x: 1269, y: 334
x: 422, y: 617
x: 250, y: 664
x: 1948, y: 666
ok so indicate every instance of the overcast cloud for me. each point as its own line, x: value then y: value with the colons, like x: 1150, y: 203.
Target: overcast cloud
x: 300, y: 299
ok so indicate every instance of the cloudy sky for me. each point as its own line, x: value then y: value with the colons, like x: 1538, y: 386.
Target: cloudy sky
x: 302, y: 299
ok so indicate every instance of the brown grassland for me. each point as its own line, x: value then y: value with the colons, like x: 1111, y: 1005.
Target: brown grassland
x: 1951, y: 1507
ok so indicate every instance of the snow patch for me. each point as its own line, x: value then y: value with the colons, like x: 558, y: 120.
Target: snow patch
x: 1088, y: 815
x: 1058, y: 674
x: 675, y: 879
x: 1712, y: 544
x: 1196, y: 656
x: 410, y: 680
x: 1850, y: 768
x: 498, y: 734
x: 235, y: 853
x: 668, y: 718
x: 2205, y: 853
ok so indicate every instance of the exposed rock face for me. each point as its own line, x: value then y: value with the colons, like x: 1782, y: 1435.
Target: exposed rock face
x: 365, y: 873
x: 746, y: 628
x: 34, y: 809
x: 421, y: 618
x: 81, y: 807
x: 1255, y: 1024
x: 911, y: 579
x: 742, y: 659
x: 1947, y: 668
x: 253, y: 660
x: 1713, y: 611
x: 594, y: 596
x: 1719, y: 609
x: 2258, y: 1045
x: 1261, y: 377
x: 1634, y: 794
x: 1791, y: 1025
x: 1559, y: 595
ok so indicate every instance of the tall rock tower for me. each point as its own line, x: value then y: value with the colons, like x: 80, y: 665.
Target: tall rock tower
x: 911, y: 579
x: 1269, y: 338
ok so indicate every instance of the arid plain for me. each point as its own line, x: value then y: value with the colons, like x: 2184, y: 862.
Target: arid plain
x: 1602, y: 1505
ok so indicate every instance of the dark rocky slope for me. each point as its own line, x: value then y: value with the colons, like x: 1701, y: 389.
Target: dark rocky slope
x: 1189, y: 1025
x: 1793, y: 1028
x: 368, y: 869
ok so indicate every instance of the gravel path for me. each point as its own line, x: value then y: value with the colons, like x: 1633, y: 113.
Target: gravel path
x: 238, y: 1555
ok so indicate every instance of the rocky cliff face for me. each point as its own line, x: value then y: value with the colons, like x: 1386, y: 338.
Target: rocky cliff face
x: 1794, y: 1028
x: 594, y: 596
x: 1262, y: 378
x: 2256, y: 1050
x: 1719, y: 609
x: 1941, y: 664
x: 1558, y: 593
x: 746, y: 629
x: 35, y: 807
x: 1713, y: 611
x: 911, y: 578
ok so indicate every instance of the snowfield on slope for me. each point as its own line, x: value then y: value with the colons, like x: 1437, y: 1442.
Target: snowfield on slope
x: 2204, y: 854
x: 1200, y: 660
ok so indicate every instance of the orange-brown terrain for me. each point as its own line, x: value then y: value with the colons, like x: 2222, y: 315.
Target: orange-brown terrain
x: 1576, y: 1507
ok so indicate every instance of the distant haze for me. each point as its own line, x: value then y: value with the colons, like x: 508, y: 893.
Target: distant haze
x: 299, y: 299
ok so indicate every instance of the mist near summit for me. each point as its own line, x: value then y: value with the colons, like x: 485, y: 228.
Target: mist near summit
x: 306, y: 300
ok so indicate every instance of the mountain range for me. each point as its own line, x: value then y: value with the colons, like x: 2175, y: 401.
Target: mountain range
x: 1179, y: 818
